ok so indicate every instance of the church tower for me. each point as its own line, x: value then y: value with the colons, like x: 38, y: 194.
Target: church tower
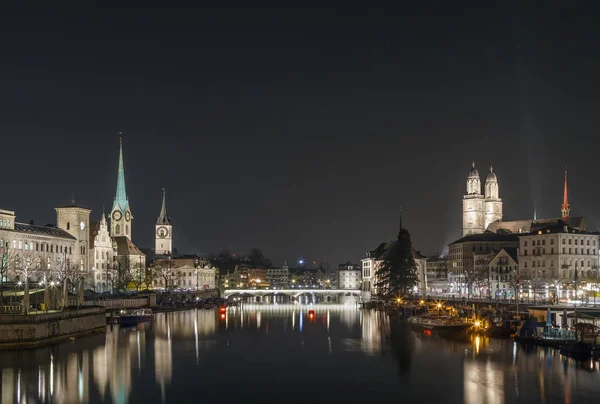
x: 493, y: 204
x: 473, y: 219
x: 164, y: 233
x: 120, y: 215
x: 565, y: 209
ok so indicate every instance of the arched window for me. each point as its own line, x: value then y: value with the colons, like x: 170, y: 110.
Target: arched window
x: 126, y: 229
x: 68, y: 226
x: 117, y: 229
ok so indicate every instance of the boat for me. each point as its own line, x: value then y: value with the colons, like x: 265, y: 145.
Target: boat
x: 439, y: 324
x: 578, y: 350
x: 135, y: 316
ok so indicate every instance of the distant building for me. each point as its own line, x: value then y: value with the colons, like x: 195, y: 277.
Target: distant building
x: 188, y: 272
x: 556, y: 258
x: 349, y: 276
x: 461, y: 257
x: 503, y: 273
x: 278, y: 277
x: 437, y: 275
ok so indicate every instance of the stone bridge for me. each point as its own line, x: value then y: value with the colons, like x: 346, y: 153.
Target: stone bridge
x: 326, y: 294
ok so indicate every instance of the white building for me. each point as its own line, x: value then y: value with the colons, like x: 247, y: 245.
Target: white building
x: 38, y: 252
x: 101, y: 256
x: 503, y: 270
x: 555, y: 259
x: 479, y: 211
x: 349, y: 277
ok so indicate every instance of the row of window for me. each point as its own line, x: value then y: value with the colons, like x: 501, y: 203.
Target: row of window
x: 583, y: 251
x: 31, y: 246
x: 5, y: 223
x: 570, y: 241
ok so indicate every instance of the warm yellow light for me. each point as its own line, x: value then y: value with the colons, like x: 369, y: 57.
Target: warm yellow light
x: 477, y: 323
x: 439, y: 305
x: 422, y: 301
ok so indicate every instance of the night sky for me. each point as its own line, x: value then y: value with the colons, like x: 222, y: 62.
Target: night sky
x: 299, y: 131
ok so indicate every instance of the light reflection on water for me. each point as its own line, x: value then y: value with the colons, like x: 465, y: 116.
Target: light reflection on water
x: 338, y: 350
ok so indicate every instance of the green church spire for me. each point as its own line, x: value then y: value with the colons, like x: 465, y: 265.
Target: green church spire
x: 121, y: 195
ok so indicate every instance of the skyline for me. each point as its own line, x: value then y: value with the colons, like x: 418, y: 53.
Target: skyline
x: 299, y: 131
x: 121, y: 179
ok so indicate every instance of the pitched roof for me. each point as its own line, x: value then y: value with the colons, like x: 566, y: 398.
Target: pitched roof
x: 525, y: 226
x: 47, y: 230
x: 126, y: 246
x: 487, y: 236
x: 163, y: 218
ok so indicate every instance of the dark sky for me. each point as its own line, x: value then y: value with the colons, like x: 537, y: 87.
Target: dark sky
x: 299, y: 131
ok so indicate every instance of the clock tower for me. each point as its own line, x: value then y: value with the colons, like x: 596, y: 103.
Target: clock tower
x: 120, y: 215
x: 163, y: 231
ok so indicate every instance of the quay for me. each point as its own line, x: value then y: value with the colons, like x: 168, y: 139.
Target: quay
x: 33, y: 330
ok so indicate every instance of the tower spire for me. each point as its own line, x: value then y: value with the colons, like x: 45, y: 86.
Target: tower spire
x: 163, y: 218
x: 401, y: 219
x: 534, y: 214
x: 565, y: 209
x: 121, y: 193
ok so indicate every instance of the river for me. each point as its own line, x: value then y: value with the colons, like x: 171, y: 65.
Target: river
x: 283, y: 353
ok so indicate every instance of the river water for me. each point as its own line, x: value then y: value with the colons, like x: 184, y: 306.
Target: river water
x: 282, y: 353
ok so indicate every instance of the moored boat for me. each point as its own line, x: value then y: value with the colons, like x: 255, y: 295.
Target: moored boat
x: 440, y: 324
x: 135, y: 316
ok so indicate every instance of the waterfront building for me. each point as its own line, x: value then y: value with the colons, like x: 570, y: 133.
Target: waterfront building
x: 36, y: 252
x: 75, y: 220
x: 101, y: 255
x: 349, y: 276
x: 557, y: 259
x: 163, y: 230
x: 479, y: 211
x: 503, y: 270
x: 461, y: 258
x: 437, y: 275
x: 189, y: 272
x: 278, y: 277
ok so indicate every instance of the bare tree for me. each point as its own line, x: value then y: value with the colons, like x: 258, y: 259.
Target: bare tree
x: 124, y: 272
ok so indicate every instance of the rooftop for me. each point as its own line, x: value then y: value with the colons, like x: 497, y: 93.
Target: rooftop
x: 489, y: 237
x: 47, y: 230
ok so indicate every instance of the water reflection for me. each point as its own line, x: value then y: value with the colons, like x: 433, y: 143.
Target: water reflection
x: 323, y: 346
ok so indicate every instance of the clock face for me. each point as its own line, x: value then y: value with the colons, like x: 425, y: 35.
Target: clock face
x: 162, y: 232
x: 127, y: 216
x: 82, y: 226
x: 117, y: 215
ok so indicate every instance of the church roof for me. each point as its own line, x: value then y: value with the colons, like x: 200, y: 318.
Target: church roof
x: 47, y: 230
x: 126, y: 246
x: 163, y: 218
x: 487, y: 236
x: 473, y: 173
x: 121, y: 194
x: 526, y: 226
x: 491, y: 177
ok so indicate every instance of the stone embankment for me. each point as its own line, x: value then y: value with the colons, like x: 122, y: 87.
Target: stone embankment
x: 29, y: 331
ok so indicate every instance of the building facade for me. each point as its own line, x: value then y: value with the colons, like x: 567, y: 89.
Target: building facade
x: 278, y: 277
x: 102, y: 256
x: 349, y: 276
x: 557, y: 259
x: 461, y: 258
x: 503, y: 274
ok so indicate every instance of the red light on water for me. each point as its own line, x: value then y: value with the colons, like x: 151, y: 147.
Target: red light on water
x: 222, y: 316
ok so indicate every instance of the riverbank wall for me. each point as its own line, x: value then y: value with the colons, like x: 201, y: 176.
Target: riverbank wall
x: 30, y: 331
